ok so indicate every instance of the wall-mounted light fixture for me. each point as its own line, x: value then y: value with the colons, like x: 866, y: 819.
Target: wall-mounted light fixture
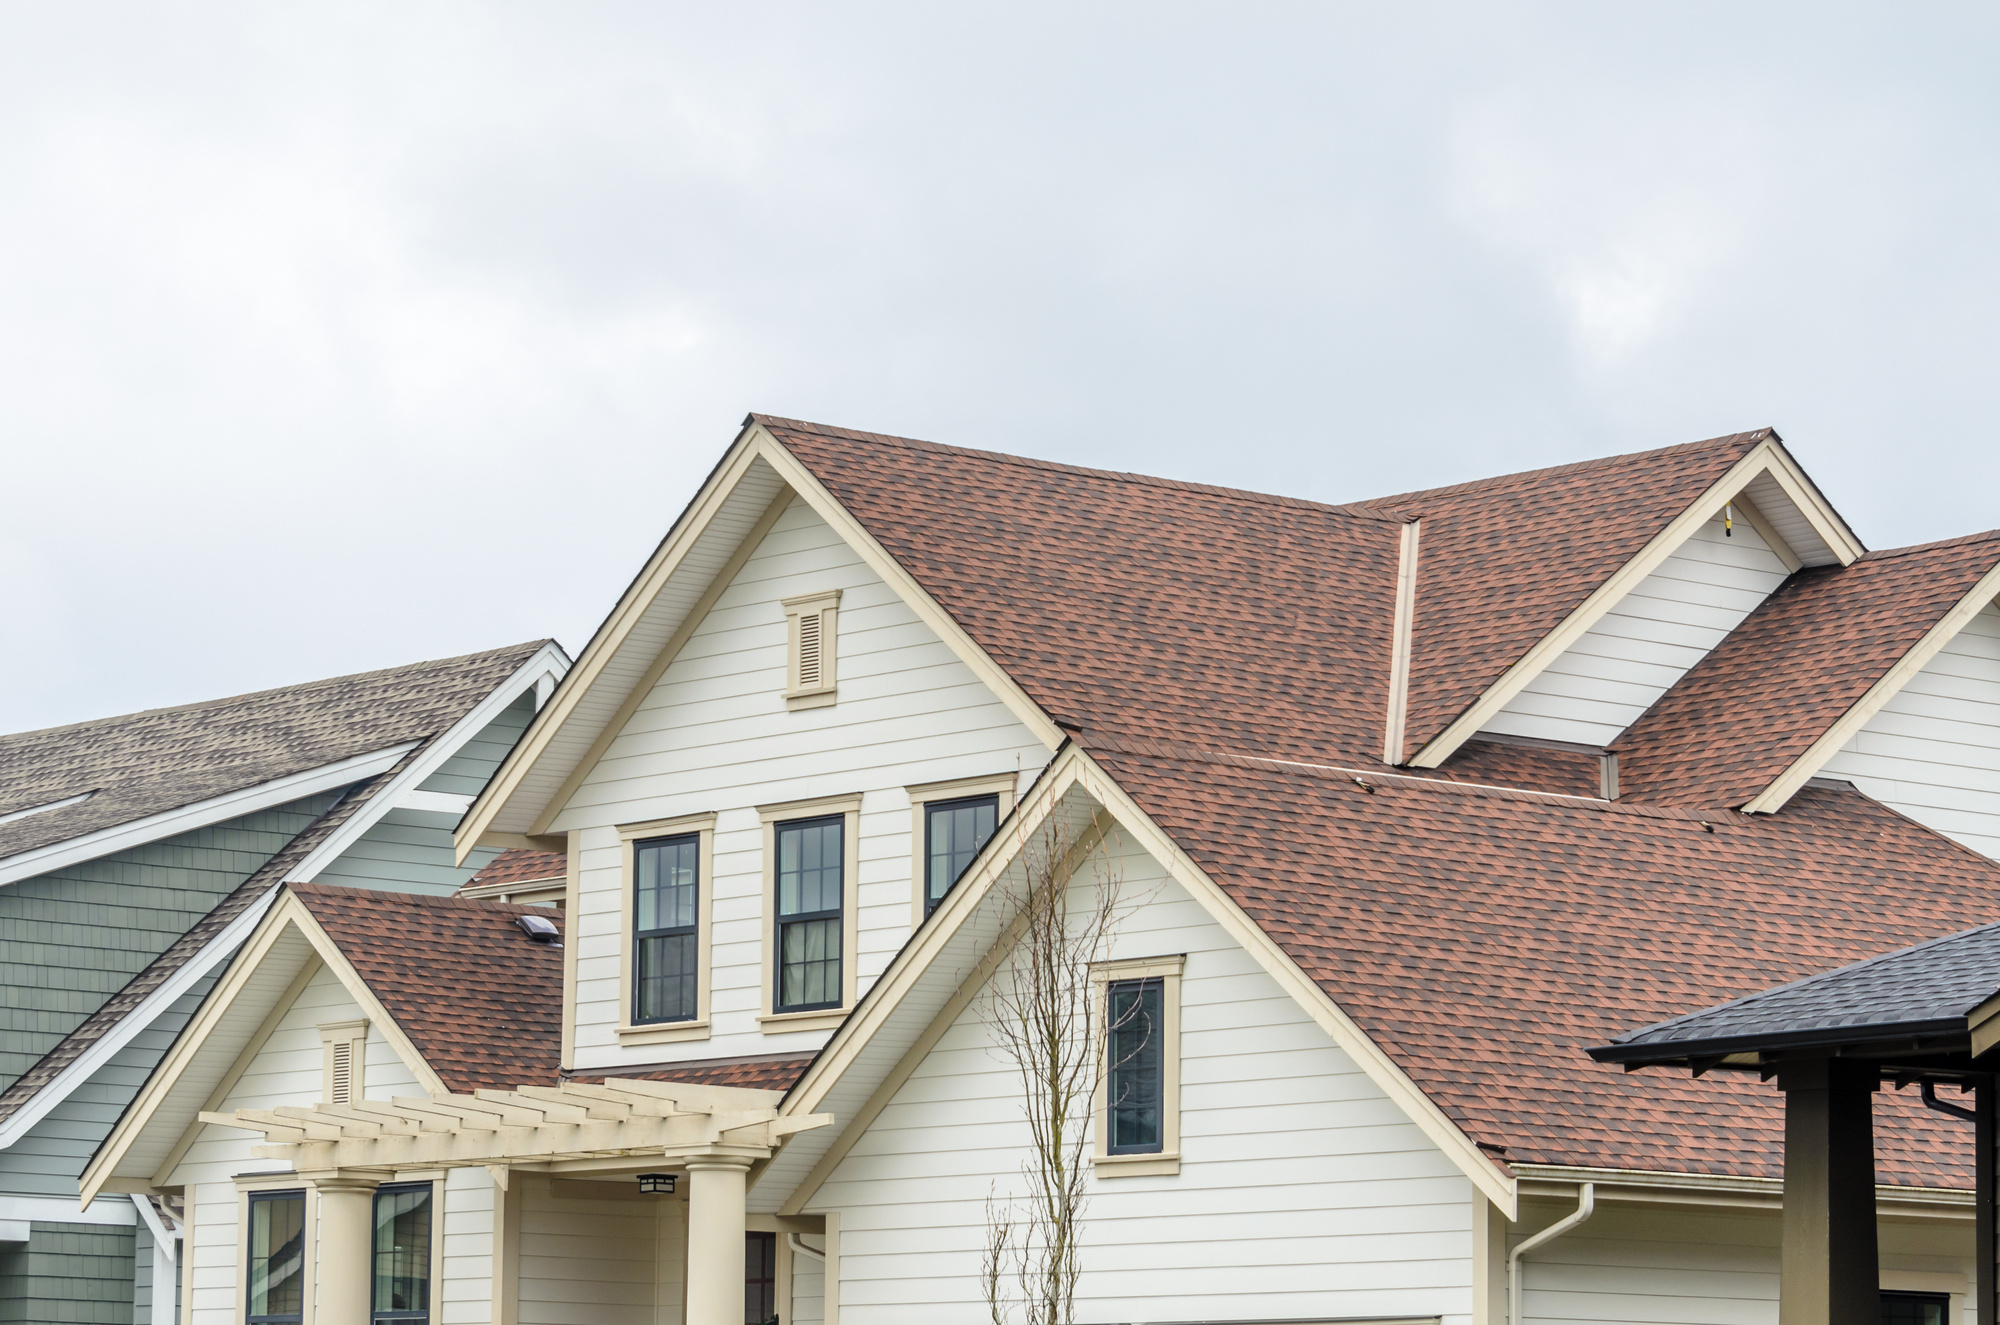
x: 657, y: 1184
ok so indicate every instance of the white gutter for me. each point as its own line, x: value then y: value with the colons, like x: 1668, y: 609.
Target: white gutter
x: 1586, y: 1203
x: 801, y: 1249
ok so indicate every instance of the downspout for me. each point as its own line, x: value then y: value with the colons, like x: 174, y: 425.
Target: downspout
x: 801, y: 1249
x: 1586, y: 1202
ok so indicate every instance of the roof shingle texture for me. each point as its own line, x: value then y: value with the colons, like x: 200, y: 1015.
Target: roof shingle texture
x: 1747, y: 711
x: 1938, y: 982
x: 142, y: 764
x: 1502, y: 562
x: 520, y: 865
x: 752, y: 1072
x: 479, y: 999
x: 1485, y: 939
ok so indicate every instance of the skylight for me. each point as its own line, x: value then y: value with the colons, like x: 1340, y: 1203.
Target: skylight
x: 12, y: 815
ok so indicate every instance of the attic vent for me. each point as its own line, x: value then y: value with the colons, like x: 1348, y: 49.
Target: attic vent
x: 812, y: 633
x: 343, y: 1060
x: 540, y: 930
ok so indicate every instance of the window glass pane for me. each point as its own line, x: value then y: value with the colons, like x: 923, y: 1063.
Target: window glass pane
x: 1137, y: 1081
x: 809, y: 867
x: 809, y: 970
x: 403, y: 1253
x: 1915, y: 1308
x: 666, y: 978
x: 954, y: 831
x: 666, y: 880
x: 760, y: 1278
x: 277, y: 1256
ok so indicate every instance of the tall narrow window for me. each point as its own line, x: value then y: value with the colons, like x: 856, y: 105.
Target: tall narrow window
x: 760, y: 1279
x: 954, y: 831
x: 402, y: 1254
x: 811, y: 857
x: 1136, y: 1079
x: 277, y: 1258
x: 668, y: 887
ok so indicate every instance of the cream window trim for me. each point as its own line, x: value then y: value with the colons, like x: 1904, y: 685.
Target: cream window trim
x: 343, y: 1061
x: 666, y: 1032
x: 812, y: 656
x: 247, y: 1183
x: 1003, y: 785
x: 1167, y: 1160
x: 770, y: 1020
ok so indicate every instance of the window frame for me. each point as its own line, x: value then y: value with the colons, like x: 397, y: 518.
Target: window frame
x: 433, y: 1261
x: 1165, y: 1161
x: 1001, y: 785
x: 630, y: 836
x: 824, y: 605
x: 265, y: 1187
x: 836, y: 914
x: 848, y: 809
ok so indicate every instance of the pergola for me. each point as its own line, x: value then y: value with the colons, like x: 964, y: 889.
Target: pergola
x: 715, y: 1133
x: 1926, y: 1016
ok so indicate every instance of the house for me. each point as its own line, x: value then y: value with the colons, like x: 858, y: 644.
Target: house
x: 137, y: 852
x: 1406, y: 803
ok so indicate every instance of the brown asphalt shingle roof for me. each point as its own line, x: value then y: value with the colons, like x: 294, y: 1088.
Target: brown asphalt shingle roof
x: 142, y: 764
x: 479, y: 999
x: 1502, y: 561
x: 520, y: 865
x: 1485, y: 939
x: 1747, y: 711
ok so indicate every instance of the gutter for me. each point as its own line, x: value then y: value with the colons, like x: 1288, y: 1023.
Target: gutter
x: 1586, y: 1205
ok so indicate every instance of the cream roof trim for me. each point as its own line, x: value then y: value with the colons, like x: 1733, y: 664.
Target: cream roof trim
x: 1835, y: 738
x: 1767, y: 467
x: 288, y: 916
x: 1074, y: 769
x: 583, y: 709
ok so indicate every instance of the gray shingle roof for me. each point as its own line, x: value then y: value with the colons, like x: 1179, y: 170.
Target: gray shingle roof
x: 1927, y: 989
x: 147, y: 763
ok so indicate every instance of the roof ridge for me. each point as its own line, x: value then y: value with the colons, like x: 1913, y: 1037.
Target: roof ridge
x: 1937, y: 545
x: 295, y: 687
x: 1114, y: 475
x: 446, y: 900
x: 1573, y: 467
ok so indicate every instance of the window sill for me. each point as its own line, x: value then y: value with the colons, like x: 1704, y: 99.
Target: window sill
x: 816, y: 700
x: 822, y: 1019
x: 1136, y: 1166
x: 671, y: 1032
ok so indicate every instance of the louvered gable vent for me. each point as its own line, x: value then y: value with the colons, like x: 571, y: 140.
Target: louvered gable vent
x: 812, y: 632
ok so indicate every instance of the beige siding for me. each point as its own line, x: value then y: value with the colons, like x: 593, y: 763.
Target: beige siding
x: 595, y: 1262
x: 1933, y: 752
x: 715, y: 735
x: 1303, y: 1191
x: 1648, y: 640
x: 465, y: 1297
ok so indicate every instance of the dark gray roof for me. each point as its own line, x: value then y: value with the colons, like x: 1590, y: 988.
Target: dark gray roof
x: 1926, y: 990
x: 143, y: 764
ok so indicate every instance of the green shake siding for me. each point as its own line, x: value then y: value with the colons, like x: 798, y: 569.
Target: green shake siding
x: 68, y: 1272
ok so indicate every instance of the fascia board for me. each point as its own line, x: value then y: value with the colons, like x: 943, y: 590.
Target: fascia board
x: 187, y: 818
x: 139, y: 1114
x: 549, y: 658
x: 88, y: 1063
x: 891, y: 571
x: 1075, y: 769
x: 1766, y: 457
x: 1498, y: 1187
x: 1835, y: 738
x: 1790, y: 476
x: 604, y: 646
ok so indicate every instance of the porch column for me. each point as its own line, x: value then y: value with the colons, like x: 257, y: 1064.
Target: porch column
x: 346, y: 1237
x: 716, y: 1186
x: 1829, y: 1274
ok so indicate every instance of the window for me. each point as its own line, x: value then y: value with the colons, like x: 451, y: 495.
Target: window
x: 760, y: 1279
x: 1136, y: 1079
x: 1137, y: 1109
x: 665, y: 961
x: 954, y: 831
x: 277, y: 1258
x: 663, y: 926
x: 811, y: 661
x: 811, y: 883
x: 1916, y: 1309
x: 402, y: 1254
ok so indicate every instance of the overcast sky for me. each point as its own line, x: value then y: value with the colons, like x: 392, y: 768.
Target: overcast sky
x: 338, y: 336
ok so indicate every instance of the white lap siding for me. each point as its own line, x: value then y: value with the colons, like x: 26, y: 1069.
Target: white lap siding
x: 1933, y: 752
x: 1648, y: 640
x: 1303, y: 1191
x: 286, y: 1071
x: 590, y: 1261
x: 465, y: 1297
x: 1658, y: 1267
x: 715, y: 735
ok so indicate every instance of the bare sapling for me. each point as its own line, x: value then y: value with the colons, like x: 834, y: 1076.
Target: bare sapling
x: 1039, y: 1005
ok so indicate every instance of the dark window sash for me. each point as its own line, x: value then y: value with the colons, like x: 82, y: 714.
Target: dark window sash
x: 945, y: 865
x: 409, y: 1267
x: 828, y: 920
x: 684, y: 1002
x: 1135, y: 1085
x: 288, y: 1254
